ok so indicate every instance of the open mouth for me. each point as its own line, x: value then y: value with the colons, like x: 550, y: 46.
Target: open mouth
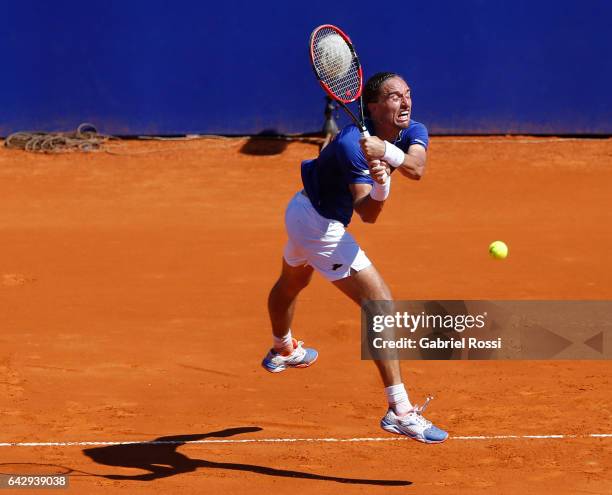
x: 403, y: 116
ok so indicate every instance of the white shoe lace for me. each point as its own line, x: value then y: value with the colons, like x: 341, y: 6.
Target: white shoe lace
x: 416, y: 416
x: 297, y: 354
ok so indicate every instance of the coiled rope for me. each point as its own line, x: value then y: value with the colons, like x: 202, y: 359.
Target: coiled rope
x: 85, y: 138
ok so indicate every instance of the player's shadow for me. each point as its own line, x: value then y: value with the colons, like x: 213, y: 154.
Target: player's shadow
x: 161, y: 459
x: 267, y: 142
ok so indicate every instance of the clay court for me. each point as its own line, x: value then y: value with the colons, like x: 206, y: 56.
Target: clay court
x: 133, y: 290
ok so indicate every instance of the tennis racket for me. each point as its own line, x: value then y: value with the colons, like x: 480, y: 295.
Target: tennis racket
x: 336, y: 65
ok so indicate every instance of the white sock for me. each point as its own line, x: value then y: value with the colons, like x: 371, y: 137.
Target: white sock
x: 398, y: 399
x: 283, y: 345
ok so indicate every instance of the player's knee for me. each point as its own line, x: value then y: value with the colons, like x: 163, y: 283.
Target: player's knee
x: 296, y: 285
x: 291, y: 285
x: 377, y: 307
x: 386, y: 294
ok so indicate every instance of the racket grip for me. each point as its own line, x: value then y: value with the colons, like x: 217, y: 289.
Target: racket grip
x: 364, y: 134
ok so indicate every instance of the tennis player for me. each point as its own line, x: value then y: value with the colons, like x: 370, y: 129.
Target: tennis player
x: 351, y: 174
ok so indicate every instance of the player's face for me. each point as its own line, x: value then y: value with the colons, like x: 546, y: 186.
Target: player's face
x: 394, y: 104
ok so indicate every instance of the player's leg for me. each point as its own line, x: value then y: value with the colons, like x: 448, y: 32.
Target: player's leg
x: 402, y: 417
x: 286, y: 351
x: 367, y: 285
x: 283, y: 296
x: 296, y: 274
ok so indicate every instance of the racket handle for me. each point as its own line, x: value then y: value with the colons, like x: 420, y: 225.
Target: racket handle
x: 364, y: 134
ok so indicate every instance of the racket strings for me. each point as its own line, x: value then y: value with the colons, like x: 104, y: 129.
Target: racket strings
x: 336, y: 65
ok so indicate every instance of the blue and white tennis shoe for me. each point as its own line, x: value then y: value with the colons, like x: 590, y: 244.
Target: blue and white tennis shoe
x: 301, y: 357
x: 413, y: 425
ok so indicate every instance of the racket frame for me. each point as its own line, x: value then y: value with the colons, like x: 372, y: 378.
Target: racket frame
x: 359, y: 122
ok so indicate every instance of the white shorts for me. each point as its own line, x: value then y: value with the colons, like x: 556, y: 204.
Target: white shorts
x: 320, y: 242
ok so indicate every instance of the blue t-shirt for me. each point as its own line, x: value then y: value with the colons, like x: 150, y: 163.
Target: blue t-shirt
x: 326, y: 179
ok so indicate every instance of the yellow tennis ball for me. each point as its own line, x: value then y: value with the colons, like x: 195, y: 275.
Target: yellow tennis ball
x: 498, y: 250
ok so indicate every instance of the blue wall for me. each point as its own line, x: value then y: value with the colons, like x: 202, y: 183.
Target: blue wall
x: 161, y: 67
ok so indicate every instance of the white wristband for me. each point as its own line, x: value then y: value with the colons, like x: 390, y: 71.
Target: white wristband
x: 393, y: 155
x: 380, y: 192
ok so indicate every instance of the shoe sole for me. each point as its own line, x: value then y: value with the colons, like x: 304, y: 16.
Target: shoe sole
x: 394, y: 429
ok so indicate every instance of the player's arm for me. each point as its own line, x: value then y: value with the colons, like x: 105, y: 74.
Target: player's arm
x: 413, y: 165
x: 368, y: 200
x: 410, y: 164
x: 367, y: 208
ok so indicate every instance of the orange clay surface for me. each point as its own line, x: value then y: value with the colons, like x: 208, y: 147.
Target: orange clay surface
x: 133, y: 294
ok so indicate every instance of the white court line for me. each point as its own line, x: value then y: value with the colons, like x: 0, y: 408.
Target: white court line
x: 295, y: 440
x: 510, y: 139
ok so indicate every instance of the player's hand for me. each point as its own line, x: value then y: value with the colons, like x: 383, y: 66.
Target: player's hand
x: 373, y: 147
x: 379, y: 171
